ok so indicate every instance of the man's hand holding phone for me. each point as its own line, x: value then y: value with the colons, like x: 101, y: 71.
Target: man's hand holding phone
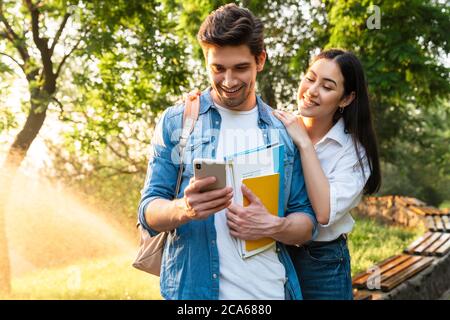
x: 200, y: 205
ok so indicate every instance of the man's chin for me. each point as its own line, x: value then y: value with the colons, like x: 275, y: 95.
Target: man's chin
x: 231, y: 103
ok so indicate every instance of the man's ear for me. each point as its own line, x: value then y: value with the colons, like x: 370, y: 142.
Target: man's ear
x: 261, y: 60
x: 347, y: 100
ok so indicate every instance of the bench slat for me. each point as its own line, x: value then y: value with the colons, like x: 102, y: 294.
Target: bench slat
x: 399, y: 268
x: 421, y: 248
x: 412, y: 270
x: 445, y: 237
x: 360, y: 280
x: 443, y: 249
x: 446, y: 222
x: 438, y: 223
x: 417, y: 242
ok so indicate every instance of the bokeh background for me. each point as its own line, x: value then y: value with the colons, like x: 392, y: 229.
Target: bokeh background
x: 82, y: 84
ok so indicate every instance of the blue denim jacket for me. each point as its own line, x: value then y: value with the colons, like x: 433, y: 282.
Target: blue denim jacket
x: 190, y: 264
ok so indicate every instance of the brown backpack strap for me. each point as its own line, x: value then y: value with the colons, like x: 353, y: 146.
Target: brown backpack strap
x: 190, y: 116
x: 192, y: 106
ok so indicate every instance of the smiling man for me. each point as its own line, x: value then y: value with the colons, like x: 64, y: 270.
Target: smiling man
x: 201, y: 259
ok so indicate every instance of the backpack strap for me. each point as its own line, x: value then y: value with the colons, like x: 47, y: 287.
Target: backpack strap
x: 190, y: 116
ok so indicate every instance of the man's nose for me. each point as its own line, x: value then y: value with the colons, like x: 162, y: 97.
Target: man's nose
x: 229, y: 80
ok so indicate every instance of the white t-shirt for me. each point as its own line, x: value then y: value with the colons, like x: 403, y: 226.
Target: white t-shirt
x: 261, y: 276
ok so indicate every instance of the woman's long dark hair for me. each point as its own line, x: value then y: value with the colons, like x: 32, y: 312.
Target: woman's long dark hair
x: 357, y: 116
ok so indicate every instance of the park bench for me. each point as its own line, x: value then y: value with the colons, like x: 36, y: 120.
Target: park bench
x: 391, y: 272
x: 419, y: 255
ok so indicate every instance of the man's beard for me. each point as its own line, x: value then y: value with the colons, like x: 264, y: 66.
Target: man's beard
x: 236, y: 101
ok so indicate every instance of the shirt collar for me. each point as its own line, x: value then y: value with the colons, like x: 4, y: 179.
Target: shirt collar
x: 206, y: 102
x: 337, y: 133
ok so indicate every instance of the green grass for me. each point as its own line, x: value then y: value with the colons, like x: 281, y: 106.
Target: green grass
x: 112, y: 278
x: 372, y: 241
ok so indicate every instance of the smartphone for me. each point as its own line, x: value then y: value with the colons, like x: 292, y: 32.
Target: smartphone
x: 210, y: 167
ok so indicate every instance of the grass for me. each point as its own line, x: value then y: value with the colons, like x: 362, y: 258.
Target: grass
x: 372, y: 241
x: 114, y: 278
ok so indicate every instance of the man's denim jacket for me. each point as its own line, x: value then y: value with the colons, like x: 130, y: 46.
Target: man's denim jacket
x: 190, y: 263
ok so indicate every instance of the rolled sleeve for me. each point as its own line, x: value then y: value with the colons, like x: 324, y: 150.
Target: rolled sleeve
x: 298, y: 197
x: 162, y: 170
x: 346, y: 186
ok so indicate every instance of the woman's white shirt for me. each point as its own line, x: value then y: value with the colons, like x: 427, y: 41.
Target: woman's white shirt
x: 339, y: 161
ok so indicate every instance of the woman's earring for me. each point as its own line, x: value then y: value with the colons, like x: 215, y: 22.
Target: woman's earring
x: 341, y: 109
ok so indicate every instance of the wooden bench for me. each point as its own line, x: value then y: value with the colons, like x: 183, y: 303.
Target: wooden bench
x: 430, y: 244
x: 391, y: 272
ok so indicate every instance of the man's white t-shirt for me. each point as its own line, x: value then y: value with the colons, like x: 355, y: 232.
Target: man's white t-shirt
x: 261, y: 276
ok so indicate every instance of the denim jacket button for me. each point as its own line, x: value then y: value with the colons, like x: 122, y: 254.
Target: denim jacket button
x: 214, y: 275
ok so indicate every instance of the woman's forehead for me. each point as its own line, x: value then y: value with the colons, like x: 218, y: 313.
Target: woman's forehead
x: 327, y: 69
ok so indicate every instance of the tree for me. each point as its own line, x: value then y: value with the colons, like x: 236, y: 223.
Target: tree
x: 127, y: 62
x: 408, y: 81
x: 403, y: 64
x: 293, y: 31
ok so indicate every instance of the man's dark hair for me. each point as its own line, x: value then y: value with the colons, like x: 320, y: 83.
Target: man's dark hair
x: 231, y: 25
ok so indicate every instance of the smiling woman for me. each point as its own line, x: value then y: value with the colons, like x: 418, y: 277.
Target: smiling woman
x: 340, y: 162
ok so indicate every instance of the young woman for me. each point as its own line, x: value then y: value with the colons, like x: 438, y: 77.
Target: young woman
x: 336, y: 140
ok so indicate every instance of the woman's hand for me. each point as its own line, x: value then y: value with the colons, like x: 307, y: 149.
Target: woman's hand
x: 295, y: 127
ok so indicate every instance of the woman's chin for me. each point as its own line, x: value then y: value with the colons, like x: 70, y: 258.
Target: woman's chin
x: 305, y: 112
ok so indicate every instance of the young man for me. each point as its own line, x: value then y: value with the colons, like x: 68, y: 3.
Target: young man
x: 201, y: 260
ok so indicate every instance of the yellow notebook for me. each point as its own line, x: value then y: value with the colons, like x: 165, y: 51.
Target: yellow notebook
x: 266, y: 188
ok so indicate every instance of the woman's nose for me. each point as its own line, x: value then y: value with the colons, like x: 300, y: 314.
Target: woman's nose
x: 312, y: 91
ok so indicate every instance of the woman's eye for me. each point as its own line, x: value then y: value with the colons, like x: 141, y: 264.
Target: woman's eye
x: 309, y: 79
x: 328, y: 89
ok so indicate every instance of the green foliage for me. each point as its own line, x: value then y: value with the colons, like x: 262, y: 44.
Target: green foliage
x: 290, y: 39
x: 137, y: 57
x: 409, y: 86
x: 7, y: 120
x: 402, y: 64
x: 133, y: 67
